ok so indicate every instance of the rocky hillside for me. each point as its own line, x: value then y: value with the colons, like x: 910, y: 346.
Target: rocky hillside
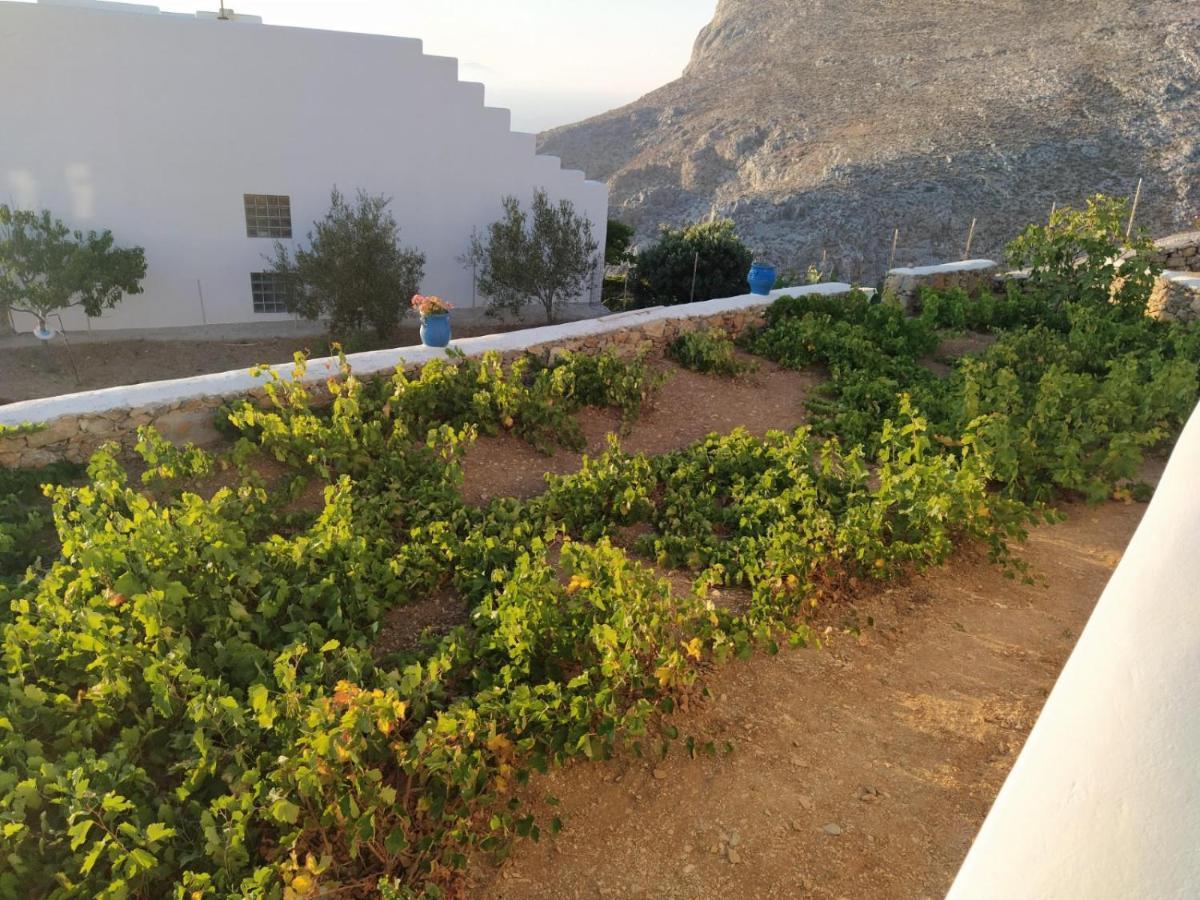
x: 822, y: 125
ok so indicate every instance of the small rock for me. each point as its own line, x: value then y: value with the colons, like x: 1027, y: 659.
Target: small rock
x: 734, y: 857
x: 734, y: 839
x: 832, y: 829
x: 805, y: 801
x: 795, y: 825
x: 689, y: 868
x: 660, y: 773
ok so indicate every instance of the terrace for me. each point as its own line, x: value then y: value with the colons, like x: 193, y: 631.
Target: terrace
x: 723, y: 597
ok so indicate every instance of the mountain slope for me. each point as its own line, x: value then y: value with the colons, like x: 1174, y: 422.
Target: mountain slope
x: 821, y: 125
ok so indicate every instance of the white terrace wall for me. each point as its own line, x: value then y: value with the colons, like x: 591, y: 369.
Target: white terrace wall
x: 1104, y: 800
x: 154, y: 125
x: 183, y: 409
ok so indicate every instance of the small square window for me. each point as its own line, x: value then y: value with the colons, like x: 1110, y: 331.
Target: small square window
x: 268, y: 215
x: 268, y: 291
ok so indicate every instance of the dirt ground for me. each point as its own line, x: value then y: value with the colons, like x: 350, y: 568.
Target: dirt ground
x: 688, y: 407
x: 29, y: 372
x: 859, y: 770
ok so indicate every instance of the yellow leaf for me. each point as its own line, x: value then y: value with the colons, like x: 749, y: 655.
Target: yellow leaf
x: 499, y: 744
x: 693, y: 647
x: 663, y: 674
x: 578, y: 582
x: 302, y: 884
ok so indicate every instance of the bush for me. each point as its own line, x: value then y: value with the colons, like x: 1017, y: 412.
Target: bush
x: 618, y: 239
x: 663, y: 271
x: 1083, y: 256
x: 706, y: 350
x: 354, y: 271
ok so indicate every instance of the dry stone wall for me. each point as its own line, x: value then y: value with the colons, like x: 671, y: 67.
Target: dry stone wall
x: 73, y: 426
x: 1180, y: 252
x: 971, y: 275
x: 1176, y: 297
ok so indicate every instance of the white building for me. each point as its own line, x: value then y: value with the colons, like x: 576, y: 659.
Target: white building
x: 204, y: 139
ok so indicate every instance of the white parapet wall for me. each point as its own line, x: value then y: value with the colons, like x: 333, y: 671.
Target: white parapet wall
x: 904, y: 284
x: 1104, y: 800
x: 183, y: 408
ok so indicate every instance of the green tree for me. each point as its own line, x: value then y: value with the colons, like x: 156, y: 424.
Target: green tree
x: 354, y: 272
x: 617, y: 242
x: 710, y: 251
x: 547, y: 255
x: 1084, y: 256
x: 45, y: 266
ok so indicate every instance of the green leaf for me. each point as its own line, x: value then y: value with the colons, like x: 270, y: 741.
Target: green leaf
x: 157, y: 831
x: 78, y: 832
x: 143, y: 859
x: 285, y: 811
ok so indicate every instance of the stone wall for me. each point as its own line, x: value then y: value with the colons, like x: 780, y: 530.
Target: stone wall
x: 1180, y: 252
x: 184, y: 409
x: 1176, y: 297
x: 971, y: 275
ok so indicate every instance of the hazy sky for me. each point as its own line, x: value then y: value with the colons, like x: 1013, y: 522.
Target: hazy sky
x: 549, y: 61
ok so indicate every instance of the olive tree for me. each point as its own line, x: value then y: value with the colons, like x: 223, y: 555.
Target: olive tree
x: 547, y: 255
x: 46, y: 267
x: 354, y: 271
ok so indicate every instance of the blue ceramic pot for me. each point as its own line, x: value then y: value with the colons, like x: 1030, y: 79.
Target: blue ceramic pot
x: 435, y: 330
x: 761, y: 278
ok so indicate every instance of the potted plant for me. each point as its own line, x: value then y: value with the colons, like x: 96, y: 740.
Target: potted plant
x: 435, y: 319
x: 761, y: 278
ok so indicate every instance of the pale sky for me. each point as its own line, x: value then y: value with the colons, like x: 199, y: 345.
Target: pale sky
x: 550, y: 61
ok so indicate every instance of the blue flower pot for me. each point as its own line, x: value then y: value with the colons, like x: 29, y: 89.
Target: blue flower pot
x: 435, y: 330
x: 761, y: 278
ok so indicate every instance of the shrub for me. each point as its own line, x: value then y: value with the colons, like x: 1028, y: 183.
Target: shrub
x: 1083, y: 256
x: 663, y: 272
x: 617, y: 242
x: 706, y: 350
x: 547, y: 255
x: 354, y: 271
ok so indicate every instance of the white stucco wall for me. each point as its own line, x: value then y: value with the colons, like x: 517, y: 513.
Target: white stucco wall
x: 1104, y: 801
x: 219, y: 384
x: 155, y: 125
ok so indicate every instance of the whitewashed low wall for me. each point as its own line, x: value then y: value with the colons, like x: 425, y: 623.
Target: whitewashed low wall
x: 183, y: 408
x: 904, y: 284
x: 1104, y: 800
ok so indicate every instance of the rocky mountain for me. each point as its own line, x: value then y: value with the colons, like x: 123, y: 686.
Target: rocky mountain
x: 820, y: 126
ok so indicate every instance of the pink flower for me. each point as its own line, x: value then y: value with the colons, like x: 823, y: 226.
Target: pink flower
x: 430, y: 305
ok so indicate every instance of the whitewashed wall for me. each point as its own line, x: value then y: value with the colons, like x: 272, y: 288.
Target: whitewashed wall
x: 154, y: 126
x: 1104, y: 801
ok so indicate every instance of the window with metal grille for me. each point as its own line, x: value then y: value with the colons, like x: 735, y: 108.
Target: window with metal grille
x: 268, y: 290
x: 268, y: 215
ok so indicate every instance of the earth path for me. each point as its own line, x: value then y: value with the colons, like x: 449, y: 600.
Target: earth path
x: 862, y: 770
